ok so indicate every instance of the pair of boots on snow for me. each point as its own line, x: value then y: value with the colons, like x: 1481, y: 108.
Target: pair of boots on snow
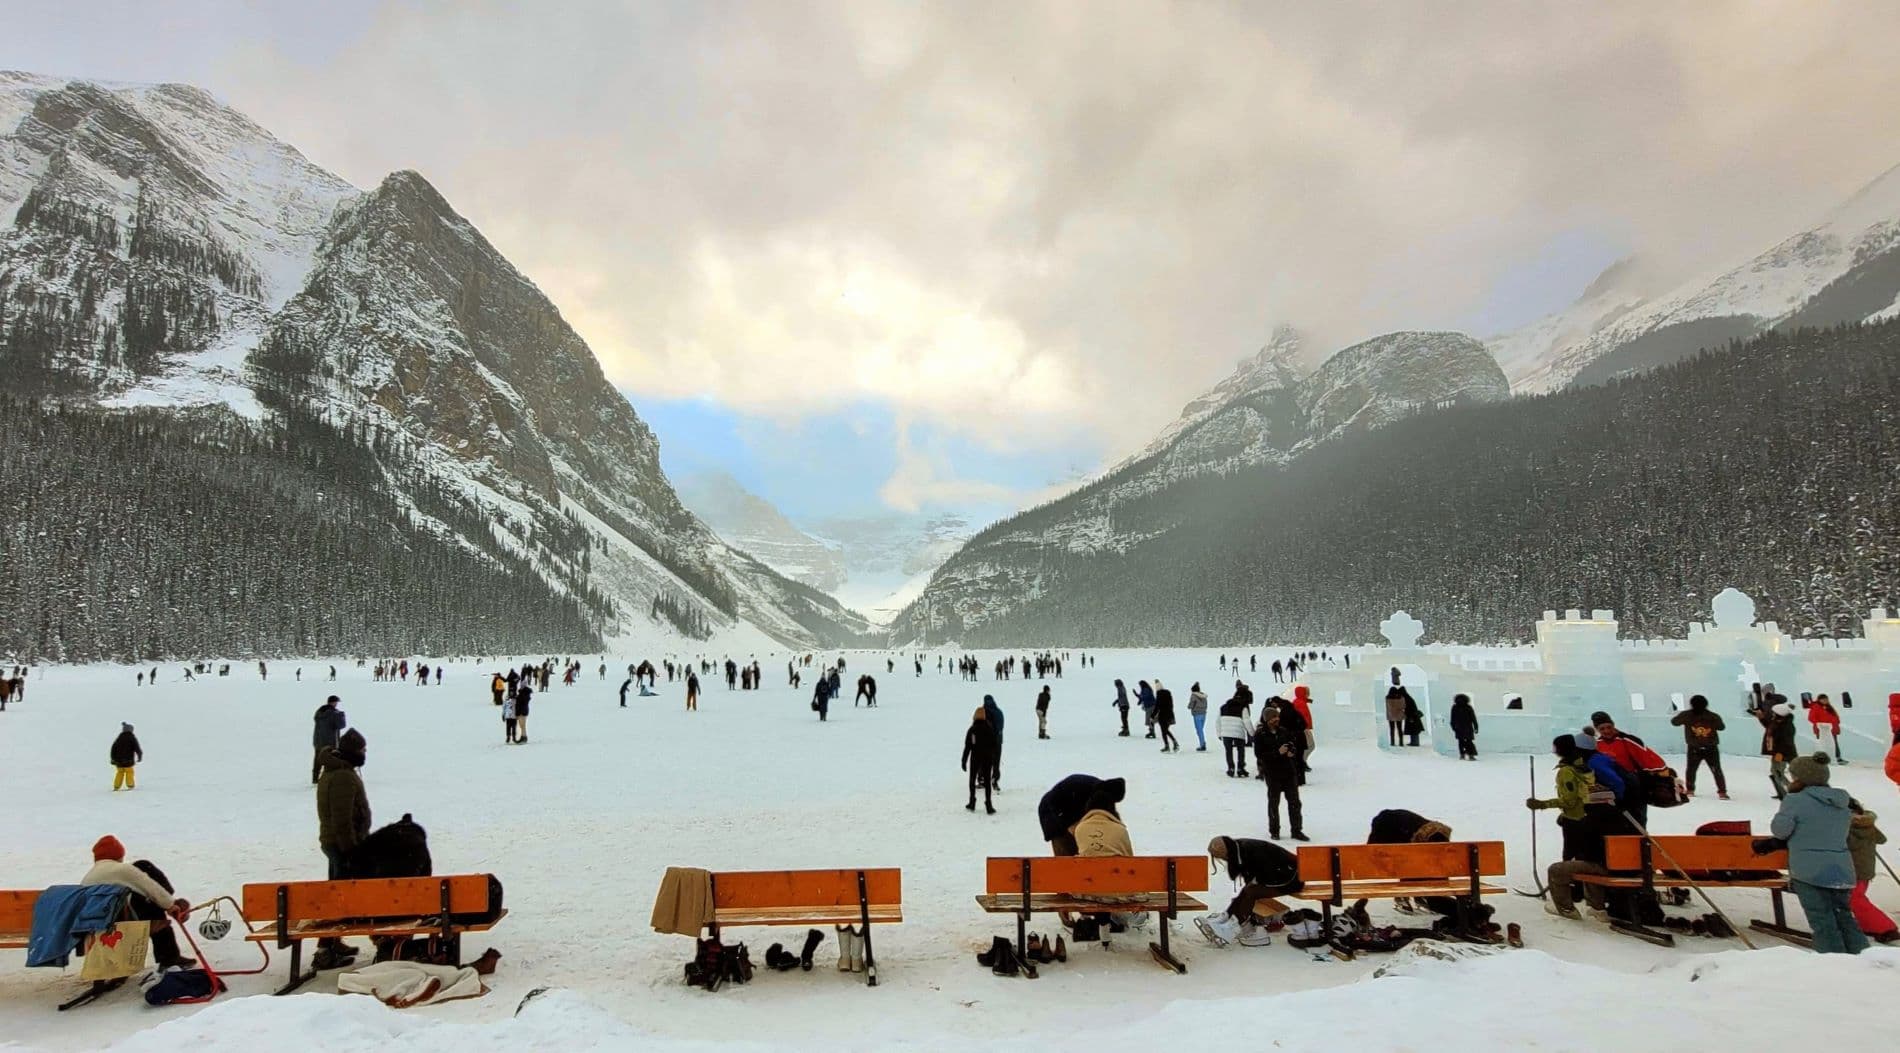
x: 777, y: 957
x: 850, y: 949
x: 1003, y: 960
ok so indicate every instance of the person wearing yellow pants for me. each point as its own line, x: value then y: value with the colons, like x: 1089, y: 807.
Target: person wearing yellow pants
x: 125, y: 753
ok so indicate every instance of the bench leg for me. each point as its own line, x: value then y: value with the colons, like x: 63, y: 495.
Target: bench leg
x: 870, y: 960
x: 1160, y: 950
x: 1022, y: 937
x: 297, y: 976
x: 1643, y: 932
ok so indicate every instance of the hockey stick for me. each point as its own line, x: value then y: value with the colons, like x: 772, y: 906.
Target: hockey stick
x: 1673, y: 865
x: 1535, y: 870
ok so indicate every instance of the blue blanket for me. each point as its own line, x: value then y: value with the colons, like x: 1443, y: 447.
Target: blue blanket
x: 64, y: 915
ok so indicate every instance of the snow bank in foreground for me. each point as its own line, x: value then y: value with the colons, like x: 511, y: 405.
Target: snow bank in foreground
x: 1506, y: 999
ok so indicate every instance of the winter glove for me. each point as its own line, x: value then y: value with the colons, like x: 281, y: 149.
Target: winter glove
x: 1768, y: 845
x: 1535, y: 805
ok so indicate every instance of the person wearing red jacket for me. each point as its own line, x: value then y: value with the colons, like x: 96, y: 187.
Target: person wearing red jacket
x: 1303, y: 703
x: 1633, y: 757
x: 1822, y: 714
x: 1893, y: 754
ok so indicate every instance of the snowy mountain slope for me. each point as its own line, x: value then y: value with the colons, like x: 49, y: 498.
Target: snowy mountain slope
x: 753, y: 525
x: 163, y: 251
x: 1276, y: 365
x: 1362, y: 387
x: 1845, y: 269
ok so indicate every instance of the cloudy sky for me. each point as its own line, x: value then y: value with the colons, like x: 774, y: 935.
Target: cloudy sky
x: 948, y: 255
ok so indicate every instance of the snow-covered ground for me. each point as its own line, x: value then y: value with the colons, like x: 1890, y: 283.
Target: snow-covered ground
x: 580, y: 823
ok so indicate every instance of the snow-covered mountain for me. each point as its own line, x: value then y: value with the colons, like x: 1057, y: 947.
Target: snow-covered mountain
x: 1844, y: 269
x: 754, y: 525
x: 1265, y: 413
x: 1276, y: 365
x: 158, y: 249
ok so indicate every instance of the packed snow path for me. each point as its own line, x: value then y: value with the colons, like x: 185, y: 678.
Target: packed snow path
x: 580, y: 822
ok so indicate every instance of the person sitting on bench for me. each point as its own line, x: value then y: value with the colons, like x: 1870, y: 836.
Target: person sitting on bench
x: 152, y: 897
x: 1101, y: 832
x: 1587, y: 788
x: 1397, y: 826
x: 1264, y: 870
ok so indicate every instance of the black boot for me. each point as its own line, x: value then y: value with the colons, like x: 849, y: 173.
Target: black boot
x: 812, y: 940
x: 1005, y: 963
x: 986, y: 959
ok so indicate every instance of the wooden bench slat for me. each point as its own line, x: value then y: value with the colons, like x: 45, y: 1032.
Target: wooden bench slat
x: 816, y: 890
x: 16, y: 916
x: 1433, y: 860
x: 1043, y: 903
x: 830, y: 914
x: 367, y: 898
x: 1095, y: 875
x: 1695, y: 853
x: 311, y: 930
x: 1398, y: 889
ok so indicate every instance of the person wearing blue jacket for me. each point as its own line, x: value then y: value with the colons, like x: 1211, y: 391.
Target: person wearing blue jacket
x: 994, y: 714
x: 1813, y: 823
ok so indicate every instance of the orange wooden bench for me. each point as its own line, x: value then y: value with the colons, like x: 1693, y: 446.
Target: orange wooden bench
x: 1026, y: 885
x: 16, y: 916
x: 1722, y: 861
x: 810, y: 897
x: 291, y: 912
x: 1336, y: 873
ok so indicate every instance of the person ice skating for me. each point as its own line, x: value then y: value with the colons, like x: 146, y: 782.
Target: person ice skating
x: 1464, y: 726
x: 1862, y: 838
x: 343, y: 821
x: 1197, y: 708
x: 821, y: 697
x: 125, y: 753
x: 1702, y: 737
x: 497, y: 687
x: 980, y: 749
x: 1235, y: 728
x: 1164, y: 718
x: 327, y: 725
x: 153, y: 898
x: 1121, y: 703
x: 1145, y: 698
x: 523, y: 695
x: 1275, y: 668
x: 1042, y: 712
x: 509, y: 716
x: 1263, y: 870
x: 1813, y: 823
x: 995, y: 712
x: 1276, y: 748
x: 1303, y: 705
x: 624, y: 685
x: 1825, y: 721
x: 1588, y: 789
x: 1778, y: 741
x: 692, y: 691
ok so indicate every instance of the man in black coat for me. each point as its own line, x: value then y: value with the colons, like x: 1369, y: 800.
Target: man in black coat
x: 328, y: 723
x: 1065, y: 804
x: 980, y: 747
x: 1263, y: 869
x: 1277, y: 747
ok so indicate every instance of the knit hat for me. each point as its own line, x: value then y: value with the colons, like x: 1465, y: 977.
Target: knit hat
x: 352, y: 747
x: 1809, y: 771
x: 124, y: 726
x: 1585, y: 743
x: 108, y: 847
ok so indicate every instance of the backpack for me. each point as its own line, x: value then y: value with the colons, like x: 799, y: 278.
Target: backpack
x: 182, y: 985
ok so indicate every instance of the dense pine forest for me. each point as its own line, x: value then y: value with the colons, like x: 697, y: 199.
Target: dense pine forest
x: 153, y: 535
x: 1772, y: 466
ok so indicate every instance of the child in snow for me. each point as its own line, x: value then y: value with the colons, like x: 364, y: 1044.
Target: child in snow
x: 509, y: 715
x: 1862, y: 836
x: 125, y: 753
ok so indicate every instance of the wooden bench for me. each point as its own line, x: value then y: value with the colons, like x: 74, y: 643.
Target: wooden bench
x: 1026, y: 885
x: 1707, y: 861
x: 810, y: 897
x: 291, y: 912
x: 16, y: 916
x: 1336, y: 873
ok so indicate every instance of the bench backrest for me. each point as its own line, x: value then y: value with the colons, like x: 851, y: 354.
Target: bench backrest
x: 413, y: 897
x: 748, y: 889
x: 1433, y: 859
x: 1094, y: 875
x: 16, y: 909
x: 1692, y: 853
